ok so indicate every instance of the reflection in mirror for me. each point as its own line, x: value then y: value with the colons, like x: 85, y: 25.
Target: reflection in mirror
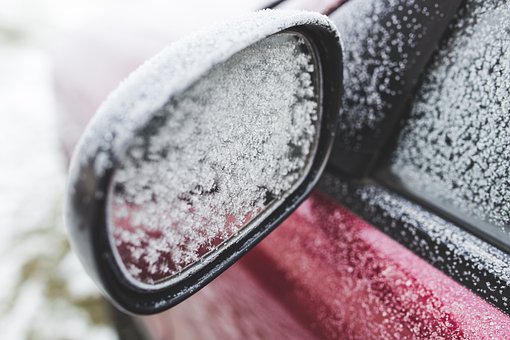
x: 215, y: 159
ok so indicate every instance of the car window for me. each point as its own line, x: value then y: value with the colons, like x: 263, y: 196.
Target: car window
x: 454, y: 148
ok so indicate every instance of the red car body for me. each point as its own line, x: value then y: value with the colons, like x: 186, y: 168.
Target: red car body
x: 324, y: 273
x: 327, y: 274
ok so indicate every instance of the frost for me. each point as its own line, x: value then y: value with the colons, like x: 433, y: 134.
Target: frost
x: 455, y: 147
x: 379, y: 50
x: 214, y: 157
x: 474, y: 263
x: 154, y: 86
x: 171, y: 71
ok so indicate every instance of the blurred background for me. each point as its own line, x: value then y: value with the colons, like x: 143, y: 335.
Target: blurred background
x: 58, y: 60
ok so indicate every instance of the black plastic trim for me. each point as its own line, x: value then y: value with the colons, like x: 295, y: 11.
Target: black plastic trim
x: 480, y: 228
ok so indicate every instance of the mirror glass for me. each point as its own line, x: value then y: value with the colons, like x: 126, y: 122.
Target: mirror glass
x: 215, y: 160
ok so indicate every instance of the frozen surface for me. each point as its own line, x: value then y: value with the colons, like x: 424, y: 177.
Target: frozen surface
x: 455, y: 147
x: 382, y: 41
x: 44, y: 292
x: 215, y: 156
x: 171, y: 71
x: 465, y: 258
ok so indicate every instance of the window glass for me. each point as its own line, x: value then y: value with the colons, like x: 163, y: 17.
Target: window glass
x: 454, y: 149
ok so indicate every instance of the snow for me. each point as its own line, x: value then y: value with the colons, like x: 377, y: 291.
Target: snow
x: 468, y: 259
x: 455, y: 147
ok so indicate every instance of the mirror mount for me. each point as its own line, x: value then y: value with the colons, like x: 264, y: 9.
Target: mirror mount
x: 130, y: 108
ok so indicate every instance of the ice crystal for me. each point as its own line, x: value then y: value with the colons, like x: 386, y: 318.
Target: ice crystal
x: 380, y: 40
x: 214, y: 157
x: 455, y: 146
x: 476, y: 264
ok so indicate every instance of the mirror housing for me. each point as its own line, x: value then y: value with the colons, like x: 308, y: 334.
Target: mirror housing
x: 133, y: 106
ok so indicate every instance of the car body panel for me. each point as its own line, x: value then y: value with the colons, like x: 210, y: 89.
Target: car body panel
x: 337, y: 277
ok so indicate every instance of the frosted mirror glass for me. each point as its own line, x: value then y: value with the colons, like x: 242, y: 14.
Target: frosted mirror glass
x: 215, y: 160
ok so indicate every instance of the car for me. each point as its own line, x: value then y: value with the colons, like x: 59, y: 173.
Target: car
x: 406, y: 234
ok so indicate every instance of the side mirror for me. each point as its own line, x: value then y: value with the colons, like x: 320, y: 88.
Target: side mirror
x: 201, y: 152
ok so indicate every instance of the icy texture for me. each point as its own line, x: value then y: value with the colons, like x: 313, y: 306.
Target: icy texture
x: 172, y: 70
x: 472, y: 253
x: 132, y: 105
x: 377, y: 57
x: 214, y: 157
x: 461, y: 255
x: 455, y: 147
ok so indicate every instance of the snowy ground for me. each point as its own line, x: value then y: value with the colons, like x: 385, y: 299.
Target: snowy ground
x: 44, y: 293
